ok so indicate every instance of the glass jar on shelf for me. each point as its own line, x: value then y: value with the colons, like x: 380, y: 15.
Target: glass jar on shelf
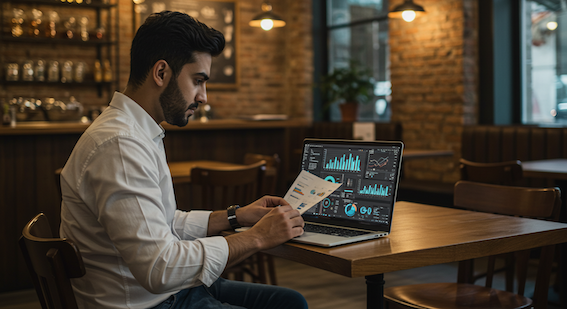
x: 67, y: 72
x: 80, y: 70
x: 39, y: 72
x: 53, y: 71
x: 12, y: 71
x: 27, y: 71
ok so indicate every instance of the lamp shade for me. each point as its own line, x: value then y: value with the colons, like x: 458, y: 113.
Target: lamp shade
x: 267, y: 19
x: 407, y: 10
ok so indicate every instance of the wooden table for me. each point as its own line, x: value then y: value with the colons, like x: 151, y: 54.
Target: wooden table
x: 550, y: 168
x: 425, y: 235
x: 555, y: 169
x: 181, y: 171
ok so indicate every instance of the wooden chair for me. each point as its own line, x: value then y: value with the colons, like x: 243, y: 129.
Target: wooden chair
x: 499, y: 173
x: 540, y: 203
x: 506, y: 173
x: 51, y: 263
x: 218, y: 188
x: 270, y: 184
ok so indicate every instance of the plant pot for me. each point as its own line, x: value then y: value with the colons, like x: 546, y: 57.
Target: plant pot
x: 349, y: 111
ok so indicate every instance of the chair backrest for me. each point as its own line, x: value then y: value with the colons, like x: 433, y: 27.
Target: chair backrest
x: 51, y: 263
x: 58, y: 180
x: 537, y: 203
x: 218, y: 188
x: 270, y: 184
x: 498, y: 173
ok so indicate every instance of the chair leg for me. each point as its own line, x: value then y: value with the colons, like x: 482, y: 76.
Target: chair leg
x: 510, y: 270
x: 272, y: 270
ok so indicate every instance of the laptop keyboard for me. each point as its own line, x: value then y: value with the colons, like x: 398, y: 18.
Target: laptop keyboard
x: 336, y: 231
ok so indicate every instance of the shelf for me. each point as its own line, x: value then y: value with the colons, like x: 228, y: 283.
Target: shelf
x: 95, y: 5
x: 38, y: 83
x: 5, y: 38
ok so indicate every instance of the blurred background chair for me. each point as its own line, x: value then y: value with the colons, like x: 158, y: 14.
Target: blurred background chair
x: 51, y: 262
x: 216, y: 189
x: 539, y: 203
x: 270, y: 184
x: 500, y: 173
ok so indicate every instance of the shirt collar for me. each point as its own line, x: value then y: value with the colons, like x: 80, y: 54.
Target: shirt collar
x: 144, y: 120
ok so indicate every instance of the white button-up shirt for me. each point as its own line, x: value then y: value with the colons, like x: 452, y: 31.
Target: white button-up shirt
x: 119, y: 208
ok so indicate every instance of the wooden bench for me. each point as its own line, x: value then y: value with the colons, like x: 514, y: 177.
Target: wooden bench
x: 483, y: 143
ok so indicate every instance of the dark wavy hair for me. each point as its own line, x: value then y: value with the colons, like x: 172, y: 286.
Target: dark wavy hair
x: 173, y: 37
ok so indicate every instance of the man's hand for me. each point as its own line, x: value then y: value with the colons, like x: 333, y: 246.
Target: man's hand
x: 249, y: 215
x: 279, y: 225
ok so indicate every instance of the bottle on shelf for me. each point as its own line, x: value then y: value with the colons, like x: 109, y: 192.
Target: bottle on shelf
x: 51, y: 25
x: 17, y: 21
x: 35, y: 23
x: 97, y: 72
x: 107, y: 71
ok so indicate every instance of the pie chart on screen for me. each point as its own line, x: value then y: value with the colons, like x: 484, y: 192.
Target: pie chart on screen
x: 350, y: 210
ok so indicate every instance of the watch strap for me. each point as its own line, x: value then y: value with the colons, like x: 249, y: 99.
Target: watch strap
x: 231, y: 212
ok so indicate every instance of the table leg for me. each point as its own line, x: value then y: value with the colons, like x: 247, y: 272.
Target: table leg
x: 561, y: 279
x: 375, y: 291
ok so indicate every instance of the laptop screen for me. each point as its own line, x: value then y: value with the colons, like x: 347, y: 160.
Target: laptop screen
x: 369, y: 173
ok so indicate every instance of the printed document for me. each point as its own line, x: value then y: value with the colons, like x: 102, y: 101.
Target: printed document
x: 308, y: 190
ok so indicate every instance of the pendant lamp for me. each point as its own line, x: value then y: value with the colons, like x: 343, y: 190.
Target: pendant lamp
x: 267, y: 19
x: 408, y: 11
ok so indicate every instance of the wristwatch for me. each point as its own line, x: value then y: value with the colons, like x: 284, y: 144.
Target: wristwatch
x: 231, y: 211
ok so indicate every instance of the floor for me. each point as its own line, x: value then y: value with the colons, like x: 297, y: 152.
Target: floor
x: 322, y: 289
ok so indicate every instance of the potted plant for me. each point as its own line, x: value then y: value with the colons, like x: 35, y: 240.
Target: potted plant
x: 349, y: 86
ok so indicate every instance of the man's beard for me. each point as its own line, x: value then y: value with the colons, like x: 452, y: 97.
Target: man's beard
x: 174, y: 105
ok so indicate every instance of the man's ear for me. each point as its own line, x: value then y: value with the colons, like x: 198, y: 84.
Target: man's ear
x: 161, y: 73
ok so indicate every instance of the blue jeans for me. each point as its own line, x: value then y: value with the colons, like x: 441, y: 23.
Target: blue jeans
x: 235, y: 294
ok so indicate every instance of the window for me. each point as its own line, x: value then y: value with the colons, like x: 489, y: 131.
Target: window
x: 544, y: 61
x: 357, y: 30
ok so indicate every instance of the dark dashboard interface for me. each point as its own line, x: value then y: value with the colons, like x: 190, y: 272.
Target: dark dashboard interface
x: 368, y: 172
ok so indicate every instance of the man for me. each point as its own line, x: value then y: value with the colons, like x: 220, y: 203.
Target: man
x: 118, y: 201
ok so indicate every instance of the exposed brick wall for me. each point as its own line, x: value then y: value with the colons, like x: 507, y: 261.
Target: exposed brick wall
x: 433, y: 75
x: 275, y: 66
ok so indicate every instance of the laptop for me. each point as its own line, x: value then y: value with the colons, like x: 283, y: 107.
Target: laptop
x: 362, y: 207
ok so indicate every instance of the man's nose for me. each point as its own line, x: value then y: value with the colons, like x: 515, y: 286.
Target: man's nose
x: 201, y: 96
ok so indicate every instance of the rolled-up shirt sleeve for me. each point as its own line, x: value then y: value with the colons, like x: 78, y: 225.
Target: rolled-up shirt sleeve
x: 165, y: 250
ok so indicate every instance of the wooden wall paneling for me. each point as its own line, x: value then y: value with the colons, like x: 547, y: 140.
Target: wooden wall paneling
x: 494, y: 138
x: 46, y: 192
x: 537, y: 144
x: 508, y: 144
x: 523, y: 144
x: 26, y: 207
x: 467, y: 143
x: 564, y: 143
x: 479, y: 144
x: 554, y: 147
x: 8, y: 208
x: 388, y: 131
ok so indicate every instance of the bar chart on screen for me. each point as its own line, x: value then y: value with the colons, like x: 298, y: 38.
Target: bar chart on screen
x: 344, y: 163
